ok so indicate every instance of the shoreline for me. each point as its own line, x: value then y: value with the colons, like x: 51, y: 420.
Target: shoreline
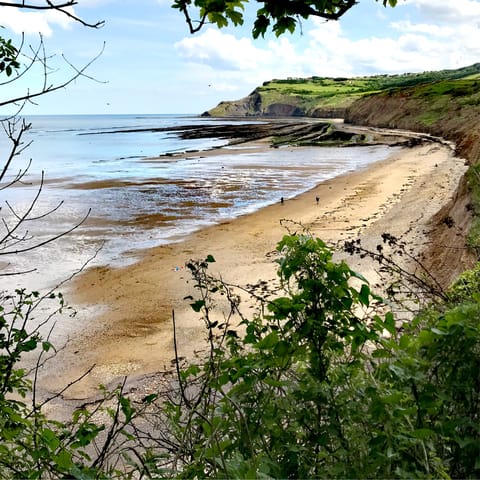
x: 127, y: 312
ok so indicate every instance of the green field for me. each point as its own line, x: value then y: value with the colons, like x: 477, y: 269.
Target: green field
x: 310, y: 95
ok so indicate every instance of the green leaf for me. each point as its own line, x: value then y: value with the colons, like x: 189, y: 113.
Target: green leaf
x: 86, y: 433
x: 29, y: 345
x: 218, y: 19
x: 127, y: 408
x: 423, y: 433
x: 235, y: 17
x: 223, y: 379
x: 381, y: 353
x: 260, y: 26
x: 364, y: 295
x: 64, y: 460
x: 437, y: 331
x: 390, y: 323
x: 281, y: 349
x: 270, y: 341
x: 198, y: 305
x: 192, y: 370
x: 150, y: 398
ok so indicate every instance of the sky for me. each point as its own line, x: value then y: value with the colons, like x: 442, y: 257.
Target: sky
x: 149, y: 63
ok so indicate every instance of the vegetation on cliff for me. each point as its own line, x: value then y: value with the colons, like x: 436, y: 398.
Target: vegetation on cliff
x: 331, y: 97
x: 450, y: 109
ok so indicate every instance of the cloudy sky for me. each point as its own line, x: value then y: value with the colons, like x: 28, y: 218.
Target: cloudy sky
x: 151, y: 64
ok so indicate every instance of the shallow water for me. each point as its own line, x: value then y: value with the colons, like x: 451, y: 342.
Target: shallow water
x: 136, y: 201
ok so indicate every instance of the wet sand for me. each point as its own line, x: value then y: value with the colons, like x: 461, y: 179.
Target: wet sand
x: 124, y: 324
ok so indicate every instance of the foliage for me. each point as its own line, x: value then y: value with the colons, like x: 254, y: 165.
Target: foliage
x: 466, y: 287
x: 437, y: 366
x: 319, y: 383
x: 8, y: 57
x: 245, y: 415
x: 29, y: 442
x: 279, y: 15
x: 430, y: 80
x: 34, y: 446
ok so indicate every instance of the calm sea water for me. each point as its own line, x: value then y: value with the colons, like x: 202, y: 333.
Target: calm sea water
x: 136, y: 200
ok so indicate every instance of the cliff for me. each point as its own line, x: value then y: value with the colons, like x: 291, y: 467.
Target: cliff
x: 325, y: 97
x: 444, y: 103
x: 450, y: 110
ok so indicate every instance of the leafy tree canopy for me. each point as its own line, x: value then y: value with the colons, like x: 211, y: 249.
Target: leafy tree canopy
x: 279, y: 15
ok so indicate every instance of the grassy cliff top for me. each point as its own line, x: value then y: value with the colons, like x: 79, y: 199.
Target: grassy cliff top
x: 315, y: 95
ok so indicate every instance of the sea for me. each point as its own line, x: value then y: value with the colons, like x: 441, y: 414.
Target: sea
x: 103, y: 182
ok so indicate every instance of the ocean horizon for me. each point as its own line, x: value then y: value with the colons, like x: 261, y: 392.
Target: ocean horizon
x: 108, y: 166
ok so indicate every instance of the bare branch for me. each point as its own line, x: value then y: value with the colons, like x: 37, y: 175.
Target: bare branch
x: 60, y: 7
x: 52, y: 88
x: 48, y: 240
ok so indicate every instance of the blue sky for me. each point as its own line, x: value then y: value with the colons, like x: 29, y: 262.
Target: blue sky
x: 152, y: 65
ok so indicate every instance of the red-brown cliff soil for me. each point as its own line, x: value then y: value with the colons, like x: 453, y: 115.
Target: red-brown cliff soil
x: 454, y: 116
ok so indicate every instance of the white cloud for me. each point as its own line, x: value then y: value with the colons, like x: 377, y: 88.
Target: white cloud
x: 222, y: 51
x: 447, y: 11
x: 409, y: 47
x: 327, y: 50
x: 235, y: 66
x: 20, y: 21
x: 425, y: 36
x: 428, y: 29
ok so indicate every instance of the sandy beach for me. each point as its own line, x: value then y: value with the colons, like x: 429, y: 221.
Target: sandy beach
x: 124, y: 324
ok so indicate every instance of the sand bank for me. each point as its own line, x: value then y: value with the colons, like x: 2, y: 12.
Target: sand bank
x: 125, y: 313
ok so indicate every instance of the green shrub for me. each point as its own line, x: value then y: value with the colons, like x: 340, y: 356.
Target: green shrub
x: 319, y: 382
x: 32, y: 445
x: 321, y: 385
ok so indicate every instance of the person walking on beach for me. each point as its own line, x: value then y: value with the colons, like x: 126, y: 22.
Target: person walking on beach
x: 281, y: 200
x: 317, y: 198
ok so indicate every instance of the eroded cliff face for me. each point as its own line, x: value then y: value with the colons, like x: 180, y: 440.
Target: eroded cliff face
x: 255, y: 105
x: 447, y: 110
x: 446, y: 256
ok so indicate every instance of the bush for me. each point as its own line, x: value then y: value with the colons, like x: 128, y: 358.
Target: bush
x: 33, y: 446
x: 320, y: 382
x: 322, y: 385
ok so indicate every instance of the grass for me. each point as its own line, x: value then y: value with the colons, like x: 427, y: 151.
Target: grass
x: 313, y: 93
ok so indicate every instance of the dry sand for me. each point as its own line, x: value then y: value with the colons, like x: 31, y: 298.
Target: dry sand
x: 125, y: 319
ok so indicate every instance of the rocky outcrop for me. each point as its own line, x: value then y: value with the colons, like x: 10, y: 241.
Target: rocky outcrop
x: 254, y: 105
x: 245, y: 107
x: 328, y: 112
x: 282, y: 110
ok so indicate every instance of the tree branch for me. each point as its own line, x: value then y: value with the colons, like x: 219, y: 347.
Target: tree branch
x: 51, y: 6
x: 52, y: 88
